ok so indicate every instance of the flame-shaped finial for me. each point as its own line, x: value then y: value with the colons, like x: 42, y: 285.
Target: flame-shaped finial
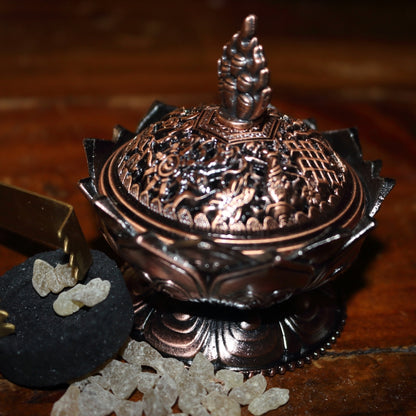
x: 243, y: 76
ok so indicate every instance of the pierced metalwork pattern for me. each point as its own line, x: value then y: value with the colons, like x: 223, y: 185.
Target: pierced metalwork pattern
x: 192, y: 168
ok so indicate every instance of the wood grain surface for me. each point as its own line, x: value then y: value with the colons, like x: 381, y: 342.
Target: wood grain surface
x: 74, y: 69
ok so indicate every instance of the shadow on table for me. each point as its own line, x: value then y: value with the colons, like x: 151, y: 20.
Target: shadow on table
x: 354, y: 279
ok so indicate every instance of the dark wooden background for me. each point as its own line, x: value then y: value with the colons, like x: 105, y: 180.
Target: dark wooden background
x: 74, y: 69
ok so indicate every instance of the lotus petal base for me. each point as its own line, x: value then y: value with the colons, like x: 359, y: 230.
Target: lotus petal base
x: 270, y: 341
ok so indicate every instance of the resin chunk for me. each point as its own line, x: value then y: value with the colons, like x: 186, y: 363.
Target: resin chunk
x: 141, y: 353
x: 64, y: 278
x: 95, y: 401
x: 200, y: 410
x: 43, y: 273
x: 229, y: 379
x: 146, y: 381
x: 215, y: 386
x: 167, y: 390
x: 65, y: 306
x: 104, y: 382
x: 248, y: 391
x: 219, y: 404
x: 269, y: 400
x: 128, y: 408
x: 165, y: 383
x: 174, y: 368
x: 122, y: 378
x: 91, y: 294
x: 67, y: 405
x: 191, y: 392
x: 153, y: 404
x: 201, y: 368
x: 46, y: 278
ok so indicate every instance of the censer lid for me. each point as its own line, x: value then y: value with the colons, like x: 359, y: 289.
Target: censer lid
x: 235, y: 203
x: 239, y: 171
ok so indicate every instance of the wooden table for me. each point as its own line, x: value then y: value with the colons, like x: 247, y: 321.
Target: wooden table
x: 71, y: 70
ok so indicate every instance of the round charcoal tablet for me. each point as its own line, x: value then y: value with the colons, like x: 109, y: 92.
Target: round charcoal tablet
x: 46, y: 349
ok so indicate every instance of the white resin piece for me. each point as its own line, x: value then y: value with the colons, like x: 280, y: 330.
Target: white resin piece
x: 64, y: 278
x: 141, y: 353
x: 219, y: 404
x: 91, y: 294
x: 153, y: 404
x: 201, y: 368
x: 65, y: 306
x: 122, y: 378
x: 129, y: 408
x: 67, y: 405
x: 167, y: 390
x: 100, y: 380
x: 70, y: 301
x: 165, y: 383
x: 269, y: 400
x: 191, y: 392
x: 174, y: 368
x: 229, y: 379
x: 129, y: 351
x: 82, y: 383
x: 146, y: 381
x: 95, y: 401
x: 200, y: 410
x: 215, y: 386
x: 43, y: 274
x: 248, y: 391
x: 188, y: 401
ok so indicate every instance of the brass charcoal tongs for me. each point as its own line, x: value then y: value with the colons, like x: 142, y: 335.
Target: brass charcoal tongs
x: 47, y: 221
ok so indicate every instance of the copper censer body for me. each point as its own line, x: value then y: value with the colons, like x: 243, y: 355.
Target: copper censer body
x: 232, y: 216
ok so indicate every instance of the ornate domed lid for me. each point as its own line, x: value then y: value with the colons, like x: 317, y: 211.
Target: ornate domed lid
x: 238, y: 172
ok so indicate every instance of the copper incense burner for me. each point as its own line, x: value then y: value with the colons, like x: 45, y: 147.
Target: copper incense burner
x: 235, y: 212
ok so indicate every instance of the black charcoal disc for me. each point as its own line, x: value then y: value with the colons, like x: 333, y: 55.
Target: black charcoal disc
x: 46, y: 349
